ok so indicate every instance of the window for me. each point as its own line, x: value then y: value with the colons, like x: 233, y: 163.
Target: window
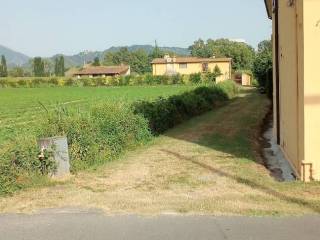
x: 205, y: 67
x: 183, y: 65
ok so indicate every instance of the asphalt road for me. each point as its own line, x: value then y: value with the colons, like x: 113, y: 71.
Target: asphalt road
x: 94, y: 225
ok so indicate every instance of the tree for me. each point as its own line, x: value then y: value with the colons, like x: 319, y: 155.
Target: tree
x: 242, y: 54
x: 156, y: 52
x: 96, y: 62
x: 59, y: 68
x: 262, y: 66
x: 138, y: 60
x: 3, y: 67
x: 38, y: 67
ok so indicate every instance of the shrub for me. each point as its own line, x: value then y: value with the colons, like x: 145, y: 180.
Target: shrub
x: 19, y: 161
x: 195, y: 78
x: 176, y: 79
x: 53, y: 81
x: 163, y: 114
x: 99, y: 136
x: 69, y: 82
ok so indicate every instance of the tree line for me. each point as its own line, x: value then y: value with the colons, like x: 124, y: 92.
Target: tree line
x: 244, y: 57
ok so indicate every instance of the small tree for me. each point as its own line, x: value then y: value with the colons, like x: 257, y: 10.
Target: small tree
x: 96, y: 62
x: 3, y: 67
x: 217, y: 71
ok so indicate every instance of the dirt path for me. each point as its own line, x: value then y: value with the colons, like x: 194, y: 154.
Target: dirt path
x: 205, y: 166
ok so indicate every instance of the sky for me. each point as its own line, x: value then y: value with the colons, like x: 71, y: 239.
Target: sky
x: 48, y: 27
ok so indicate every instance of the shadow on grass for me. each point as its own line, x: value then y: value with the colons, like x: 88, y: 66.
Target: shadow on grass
x: 307, y: 204
x: 235, y: 131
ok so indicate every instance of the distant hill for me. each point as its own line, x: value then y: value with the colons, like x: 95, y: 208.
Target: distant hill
x: 14, y: 58
x: 18, y: 59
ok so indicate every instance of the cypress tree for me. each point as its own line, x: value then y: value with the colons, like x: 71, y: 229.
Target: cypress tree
x: 61, y: 66
x: 38, y: 67
x: 56, y: 67
x: 3, y: 67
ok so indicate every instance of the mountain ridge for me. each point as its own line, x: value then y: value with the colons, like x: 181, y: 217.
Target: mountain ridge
x: 15, y: 58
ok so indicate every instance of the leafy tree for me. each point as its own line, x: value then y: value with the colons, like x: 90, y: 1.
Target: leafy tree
x: 3, y: 67
x: 138, y: 60
x: 96, y: 62
x: 200, y: 49
x: 262, y: 66
x: 38, y: 67
x: 242, y: 54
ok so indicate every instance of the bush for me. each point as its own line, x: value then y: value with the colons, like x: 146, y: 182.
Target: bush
x: 19, y: 161
x: 163, y: 114
x: 99, y: 136
x: 195, y: 78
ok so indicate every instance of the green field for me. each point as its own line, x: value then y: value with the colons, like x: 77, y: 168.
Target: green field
x: 21, y: 107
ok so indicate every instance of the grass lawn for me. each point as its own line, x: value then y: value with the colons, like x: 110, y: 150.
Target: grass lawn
x: 20, y: 107
x: 209, y: 165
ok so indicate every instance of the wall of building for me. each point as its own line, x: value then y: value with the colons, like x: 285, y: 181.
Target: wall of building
x: 288, y: 82
x: 291, y: 110
x: 246, y: 79
x: 225, y: 67
x: 311, y: 88
x: 299, y: 48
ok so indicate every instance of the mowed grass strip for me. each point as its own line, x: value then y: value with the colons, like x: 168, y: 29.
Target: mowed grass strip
x: 20, y: 107
x: 208, y: 165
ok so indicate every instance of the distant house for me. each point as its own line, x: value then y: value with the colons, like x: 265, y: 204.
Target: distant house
x: 189, y: 65
x: 102, y: 71
x: 243, y: 78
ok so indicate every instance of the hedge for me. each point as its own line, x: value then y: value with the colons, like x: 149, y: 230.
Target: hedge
x: 146, y: 79
x: 102, y: 134
x: 164, y: 114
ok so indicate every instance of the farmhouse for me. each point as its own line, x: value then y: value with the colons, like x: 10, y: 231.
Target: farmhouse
x: 296, y: 37
x: 102, y: 71
x: 189, y: 65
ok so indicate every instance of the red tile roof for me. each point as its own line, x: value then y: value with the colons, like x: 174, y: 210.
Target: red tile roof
x: 103, y: 70
x: 190, y: 60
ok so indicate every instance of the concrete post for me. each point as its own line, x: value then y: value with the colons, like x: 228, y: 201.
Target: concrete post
x: 59, y: 146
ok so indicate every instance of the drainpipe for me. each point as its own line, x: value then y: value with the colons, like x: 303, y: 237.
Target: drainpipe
x: 277, y: 65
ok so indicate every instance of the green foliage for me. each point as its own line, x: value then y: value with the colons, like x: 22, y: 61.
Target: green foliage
x: 134, y: 79
x: 96, y: 62
x: 17, y: 72
x: 164, y: 114
x: 59, y: 68
x: 38, y: 67
x: 242, y: 54
x: 262, y: 67
x: 138, y: 60
x: 195, y: 78
x: 3, y: 67
x: 98, y: 136
x: 19, y: 159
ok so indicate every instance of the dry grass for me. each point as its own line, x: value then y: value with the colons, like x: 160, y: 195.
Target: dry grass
x: 205, y: 166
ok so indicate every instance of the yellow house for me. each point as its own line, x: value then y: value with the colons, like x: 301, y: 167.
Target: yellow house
x: 296, y: 40
x: 189, y: 65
